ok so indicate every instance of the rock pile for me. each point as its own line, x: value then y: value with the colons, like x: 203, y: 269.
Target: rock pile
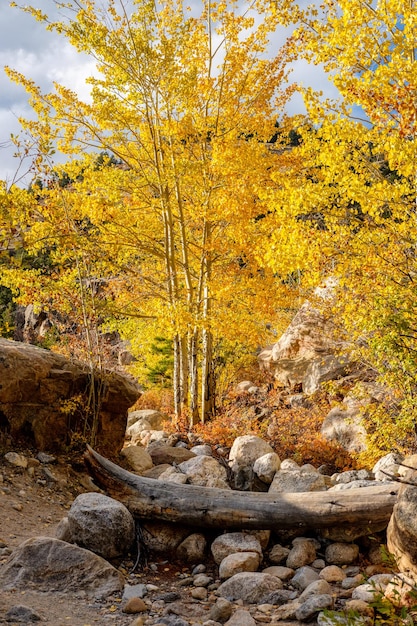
x: 234, y: 578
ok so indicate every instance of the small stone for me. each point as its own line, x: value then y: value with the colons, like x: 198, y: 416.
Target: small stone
x: 281, y: 596
x: 199, y: 569
x: 278, y: 554
x: 350, y: 582
x: 231, y: 543
x: 221, y: 611
x: 366, y: 592
x: 135, y: 605
x: 309, y: 609
x: 21, y: 613
x: 316, y: 588
x: 172, y: 620
x: 284, y: 573
x: 239, y: 562
x: 17, y: 506
x: 202, y: 580
x: 333, y: 574
x: 303, y: 553
x: 170, y: 596
x: 192, y: 549
x: 303, y: 577
x: 241, y: 618
x: 139, y: 621
x: 341, y: 553
x: 134, y: 591
x: 45, y: 458
x: 16, y: 459
x: 358, y: 606
x: 286, y: 611
x: 199, y: 593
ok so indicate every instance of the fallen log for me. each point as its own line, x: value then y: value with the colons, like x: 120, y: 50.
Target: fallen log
x: 205, y: 507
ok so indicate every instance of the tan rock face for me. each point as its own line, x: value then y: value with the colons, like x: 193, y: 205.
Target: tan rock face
x: 40, y: 394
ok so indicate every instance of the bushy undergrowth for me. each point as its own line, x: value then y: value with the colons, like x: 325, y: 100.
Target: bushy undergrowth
x: 292, y: 432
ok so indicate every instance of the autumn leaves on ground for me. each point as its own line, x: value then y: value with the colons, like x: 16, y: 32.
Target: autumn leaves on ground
x: 193, y: 215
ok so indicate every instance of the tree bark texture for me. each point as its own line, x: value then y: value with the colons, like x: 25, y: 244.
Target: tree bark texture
x: 206, y: 507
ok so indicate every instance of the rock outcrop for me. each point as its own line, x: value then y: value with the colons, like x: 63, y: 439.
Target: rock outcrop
x: 43, y: 398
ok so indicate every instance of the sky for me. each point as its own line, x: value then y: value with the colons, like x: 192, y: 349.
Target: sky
x: 45, y: 57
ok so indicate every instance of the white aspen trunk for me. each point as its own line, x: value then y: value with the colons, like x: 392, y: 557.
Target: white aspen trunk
x: 207, y: 378
x: 184, y: 373
x: 193, y: 361
x: 176, y: 379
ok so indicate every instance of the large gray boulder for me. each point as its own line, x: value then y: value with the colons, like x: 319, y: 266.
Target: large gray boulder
x: 47, y: 564
x: 39, y: 386
x: 101, y: 524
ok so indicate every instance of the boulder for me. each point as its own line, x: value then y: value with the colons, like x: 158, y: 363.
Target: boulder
x: 292, y: 481
x: 344, y: 425
x: 40, y: 394
x: 101, y: 524
x: 172, y: 475
x: 192, y: 549
x: 308, y: 338
x: 266, y: 466
x: 251, y: 587
x: 153, y: 417
x: 245, y: 450
x: 138, y: 459
x: 161, y: 454
x: 163, y: 538
x: 231, y: 543
x: 322, y: 369
x: 48, y: 564
x: 302, y: 553
x: 205, y: 471
x: 402, y: 531
x: 238, y: 562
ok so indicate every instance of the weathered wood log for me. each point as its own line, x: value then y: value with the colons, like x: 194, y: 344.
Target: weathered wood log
x: 206, y: 507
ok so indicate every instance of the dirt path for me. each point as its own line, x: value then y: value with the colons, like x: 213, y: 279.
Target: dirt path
x: 32, y: 504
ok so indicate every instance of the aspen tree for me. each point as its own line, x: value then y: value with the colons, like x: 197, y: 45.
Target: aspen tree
x: 186, y: 103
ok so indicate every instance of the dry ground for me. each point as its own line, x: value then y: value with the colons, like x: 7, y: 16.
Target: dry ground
x: 32, y: 506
